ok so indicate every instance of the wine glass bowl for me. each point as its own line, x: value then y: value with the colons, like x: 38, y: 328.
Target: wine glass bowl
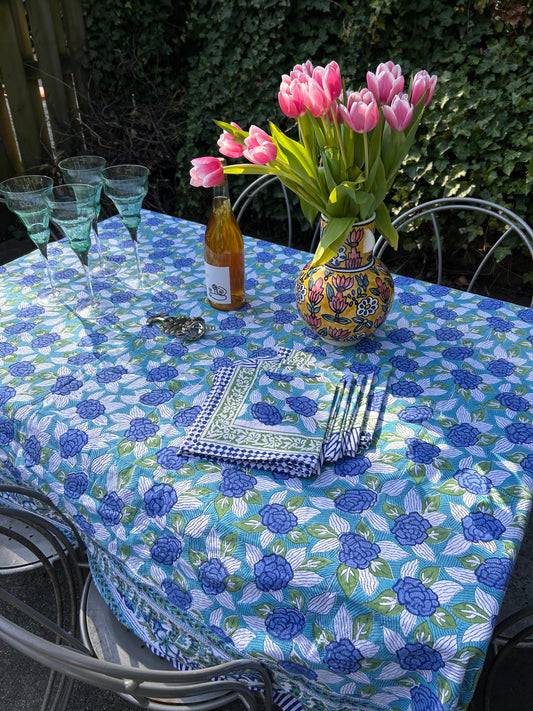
x: 126, y: 186
x: 25, y: 195
x: 87, y: 170
x: 72, y: 209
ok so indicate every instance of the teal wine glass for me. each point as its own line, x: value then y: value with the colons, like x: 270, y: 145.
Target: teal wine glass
x: 72, y: 209
x: 87, y: 170
x: 25, y: 196
x: 126, y: 186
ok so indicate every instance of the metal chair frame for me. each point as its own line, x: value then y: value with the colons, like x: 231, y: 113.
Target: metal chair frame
x: 509, y: 220
x: 251, y: 190
x: 69, y: 658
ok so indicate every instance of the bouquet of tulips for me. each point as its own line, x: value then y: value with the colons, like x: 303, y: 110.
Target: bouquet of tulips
x: 350, y: 146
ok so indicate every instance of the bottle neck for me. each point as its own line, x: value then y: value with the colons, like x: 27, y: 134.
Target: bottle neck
x: 221, y: 190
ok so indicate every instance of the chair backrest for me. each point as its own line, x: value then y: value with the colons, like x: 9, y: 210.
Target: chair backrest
x: 45, y: 627
x: 500, y: 217
x: 250, y: 191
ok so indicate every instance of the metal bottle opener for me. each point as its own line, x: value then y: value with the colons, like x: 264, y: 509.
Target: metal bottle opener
x: 186, y: 327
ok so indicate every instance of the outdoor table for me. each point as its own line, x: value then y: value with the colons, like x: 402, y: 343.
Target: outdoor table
x: 374, y: 585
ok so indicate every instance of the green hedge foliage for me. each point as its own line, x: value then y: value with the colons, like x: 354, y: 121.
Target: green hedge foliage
x: 225, y: 59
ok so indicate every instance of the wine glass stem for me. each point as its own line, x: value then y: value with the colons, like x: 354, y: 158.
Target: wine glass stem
x: 136, y: 252
x: 89, y: 282
x: 98, y: 244
x: 44, y: 251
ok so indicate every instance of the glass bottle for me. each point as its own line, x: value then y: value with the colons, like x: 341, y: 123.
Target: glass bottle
x: 223, y: 253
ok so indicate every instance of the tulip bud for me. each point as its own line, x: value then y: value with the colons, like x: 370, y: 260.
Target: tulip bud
x: 361, y: 113
x: 206, y: 172
x: 386, y: 83
x: 228, y: 146
x: 422, y: 83
x: 260, y: 148
x: 400, y: 113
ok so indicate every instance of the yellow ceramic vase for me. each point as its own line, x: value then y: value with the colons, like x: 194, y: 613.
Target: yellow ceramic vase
x: 349, y: 296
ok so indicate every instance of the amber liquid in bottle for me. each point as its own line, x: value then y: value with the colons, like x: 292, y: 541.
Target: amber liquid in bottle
x: 223, y: 254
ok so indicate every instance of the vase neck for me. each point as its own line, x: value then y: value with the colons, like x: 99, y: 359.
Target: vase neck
x: 356, y: 251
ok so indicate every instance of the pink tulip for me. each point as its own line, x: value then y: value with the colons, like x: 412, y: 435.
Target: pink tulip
x: 315, y: 98
x: 305, y: 68
x: 332, y: 82
x: 400, y: 113
x: 228, y: 146
x: 422, y: 83
x: 290, y: 97
x: 386, y: 83
x: 361, y: 113
x: 260, y: 148
x: 206, y: 172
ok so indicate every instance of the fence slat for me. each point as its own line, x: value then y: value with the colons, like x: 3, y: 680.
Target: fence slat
x: 74, y: 23
x: 49, y: 65
x: 19, y: 93
x: 9, y: 154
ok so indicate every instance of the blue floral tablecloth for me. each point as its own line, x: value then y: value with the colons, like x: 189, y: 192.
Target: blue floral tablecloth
x: 374, y: 585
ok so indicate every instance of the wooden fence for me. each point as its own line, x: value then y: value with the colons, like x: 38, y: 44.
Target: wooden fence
x: 41, y: 83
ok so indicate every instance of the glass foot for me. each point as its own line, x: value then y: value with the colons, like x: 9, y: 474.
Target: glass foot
x: 103, y: 269
x: 50, y: 297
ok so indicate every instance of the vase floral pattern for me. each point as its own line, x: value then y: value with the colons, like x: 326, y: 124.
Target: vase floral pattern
x: 350, y: 296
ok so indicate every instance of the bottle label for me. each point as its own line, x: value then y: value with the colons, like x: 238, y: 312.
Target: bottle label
x: 217, y: 283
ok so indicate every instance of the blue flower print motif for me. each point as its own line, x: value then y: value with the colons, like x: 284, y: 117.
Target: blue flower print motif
x: 283, y: 299
x: 289, y: 268
x: 295, y: 668
x: 410, y: 529
x: 526, y: 315
x: 149, y: 332
x: 110, y: 509
x: 159, y: 500
x: 282, y: 284
x: 342, y: 656
x: 220, y: 363
x: 111, y: 375
x: 182, y: 599
x: 479, y: 527
x: 315, y: 350
x: 352, y: 467
x: 6, y: 393
x: 277, y: 519
x: 166, y: 550
x: 473, y: 482
x: 29, y: 280
x: 527, y: 463
x: 404, y: 388
x: 500, y: 367
x: 140, y: 429
x: 170, y: 458
x: 499, y: 324
x: 183, y: 262
x: 264, y: 353
x: 519, y: 433
x: 421, y: 452
x: 272, y: 572
x: 90, y: 409
x: 265, y: 413
x: 6, y: 349
x: 490, y: 304
x: 403, y: 280
x: 513, y: 402
x: 211, y: 575
x: 415, y: 656
x: 438, y: 290
x: 175, y: 349
x: 279, y: 377
x: 362, y: 368
x: 264, y: 256
x: 302, y: 405
x: 32, y: 451
x: 283, y: 317
x: 215, y: 629
x: 458, y: 353
x: 367, y: 345
x: 285, y: 623
x: 84, y: 525
x: 66, y: 384
x: 64, y: 274
x: 173, y: 280
x: 465, y: 379
x: 156, y: 397
x: 231, y: 323
x: 494, y: 572
x: 356, y: 551
x: 187, y: 416
x: 416, y: 414
x: 83, y: 358
x: 21, y: 369
x: 406, y: 298
x: 444, y: 313
x: 93, y: 339
x: 448, y: 334
x: 356, y: 500
x: 231, y: 342
x: 425, y: 700
x: 20, y: 327
x: 463, y: 435
x: 122, y: 297
x: 235, y: 483
x: 162, y: 373
x: 30, y: 311
x: 72, y: 442
x: 416, y: 597
x: 75, y: 484
x: 163, y: 296
x: 407, y: 365
x: 401, y: 335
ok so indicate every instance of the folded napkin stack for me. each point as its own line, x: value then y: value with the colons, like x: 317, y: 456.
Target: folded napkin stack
x: 287, y: 414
